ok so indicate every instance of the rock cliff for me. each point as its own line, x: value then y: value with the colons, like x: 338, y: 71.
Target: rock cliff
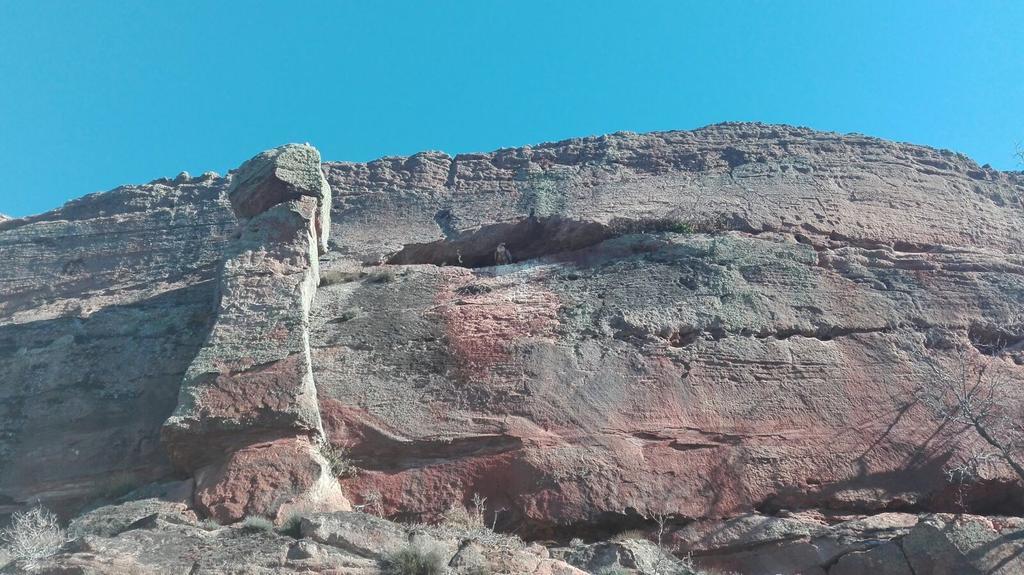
x: 247, y: 422
x: 694, y: 326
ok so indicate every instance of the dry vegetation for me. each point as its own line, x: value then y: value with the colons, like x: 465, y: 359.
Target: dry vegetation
x: 33, y: 535
x: 977, y: 393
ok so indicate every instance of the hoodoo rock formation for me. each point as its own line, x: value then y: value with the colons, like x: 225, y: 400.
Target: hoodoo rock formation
x: 716, y: 335
x: 247, y: 421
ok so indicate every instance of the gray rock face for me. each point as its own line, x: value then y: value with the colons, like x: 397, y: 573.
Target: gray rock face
x: 103, y: 305
x: 888, y: 543
x: 946, y: 544
x: 282, y: 175
x: 696, y: 324
x: 248, y: 414
x: 358, y: 533
x: 112, y: 520
x: 349, y: 544
x: 886, y: 559
x: 630, y: 556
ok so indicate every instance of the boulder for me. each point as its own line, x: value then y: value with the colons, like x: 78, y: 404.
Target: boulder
x: 966, y: 545
x: 884, y: 559
x: 111, y: 520
x: 359, y: 533
x: 744, y: 531
x: 282, y: 175
x: 275, y: 479
x: 637, y: 555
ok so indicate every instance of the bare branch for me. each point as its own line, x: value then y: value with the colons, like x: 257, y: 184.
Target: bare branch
x: 975, y: 393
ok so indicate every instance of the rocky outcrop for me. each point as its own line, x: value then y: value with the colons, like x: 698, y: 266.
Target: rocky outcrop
x: 158, y: 535
x: 708, y: 323
x: 247, y: 419
x: 886, y: 544
x: 103, y: 305
x: 162, y: 540
x: 698, y: 326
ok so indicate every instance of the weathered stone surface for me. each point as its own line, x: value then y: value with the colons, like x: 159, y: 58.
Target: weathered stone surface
x: 282, y: 175
x: 632, y: 556
x: 358, y: 533
x: 111, y: 520
x: 273, y: 479
x: 745, y: 531
x: 103, y: 305
x: 163, y: 548
x: 885, y: 559
x: 896, y: 543
x: 342, y: 543
x: 966, y: 545
x: 694, y: 375
x: 253, y: 375
x: 698, y: 324
x: 248, y: 413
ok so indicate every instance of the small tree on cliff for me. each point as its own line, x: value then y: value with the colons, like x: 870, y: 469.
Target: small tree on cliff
x: 976, y: 391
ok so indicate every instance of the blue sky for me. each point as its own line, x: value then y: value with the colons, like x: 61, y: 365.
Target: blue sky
x: 99, y: 93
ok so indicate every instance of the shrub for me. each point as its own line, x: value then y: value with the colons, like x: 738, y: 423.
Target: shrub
x: 33, y: 535
x: 334, y: 277
x: 381, y: 277
x: 630, y: 535
x: 706, y: 224
x: 458, y: 517
x: 474, y: 289
x: 291, y: 526
x: 209, y: 525
x: 614, y: 570
x: 255, y: 524
x: 415, y: 560
x: 338, y: 458
x: 373, y: 502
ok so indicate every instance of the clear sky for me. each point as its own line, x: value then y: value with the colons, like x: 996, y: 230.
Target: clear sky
x: 94, y: 94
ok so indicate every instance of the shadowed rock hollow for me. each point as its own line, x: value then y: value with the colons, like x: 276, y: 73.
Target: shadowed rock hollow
x: 697, y: 325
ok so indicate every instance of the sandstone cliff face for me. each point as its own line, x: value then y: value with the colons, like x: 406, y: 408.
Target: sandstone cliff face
x: 695, y: 324
x: 105, y: 302
x: 769, y: 364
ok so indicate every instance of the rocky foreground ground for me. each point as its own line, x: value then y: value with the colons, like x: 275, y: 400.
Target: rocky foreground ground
x: 160, y: 535
x: 712, y: 339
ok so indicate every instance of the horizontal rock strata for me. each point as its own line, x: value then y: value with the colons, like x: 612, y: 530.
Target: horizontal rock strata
x: 698, y: 325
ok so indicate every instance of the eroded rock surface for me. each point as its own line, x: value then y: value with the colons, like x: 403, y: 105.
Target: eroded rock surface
x: 247, y: 418
x: 886, y: 544
x: 342, y: 543
x: 154, y: 535
x: 104, y: 303
x: 723, y: 320
x: 699, y: 325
